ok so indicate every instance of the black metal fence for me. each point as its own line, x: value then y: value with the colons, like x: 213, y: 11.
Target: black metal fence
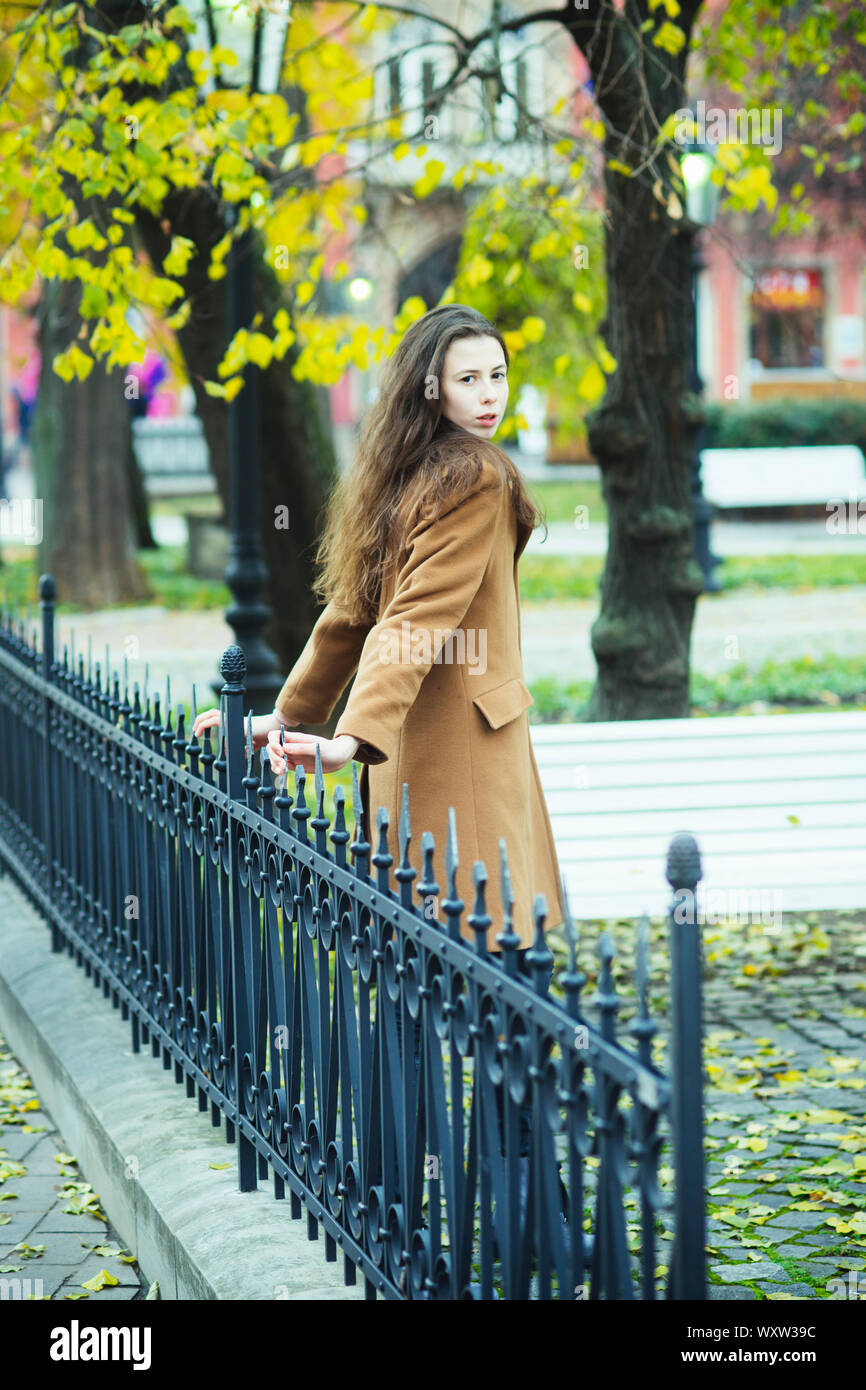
x: 455, y: 1129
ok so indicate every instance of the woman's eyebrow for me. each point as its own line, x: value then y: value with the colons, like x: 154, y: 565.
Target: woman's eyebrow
x: 464, y: 370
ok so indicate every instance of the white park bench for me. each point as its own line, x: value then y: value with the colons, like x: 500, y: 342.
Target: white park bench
x: 783, y: 477
x: 173, y: 456
x: 777, y: 804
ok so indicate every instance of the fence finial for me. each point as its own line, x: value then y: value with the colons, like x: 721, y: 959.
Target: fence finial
x: 404, y: 828
x: 507, y: 938
x: 539, y: 957
x: 357, y: 802
x: 642, y: 966
x: 319, y: 781
x: 479, y: 918
x: 428, y: 888
x: 684, y: 862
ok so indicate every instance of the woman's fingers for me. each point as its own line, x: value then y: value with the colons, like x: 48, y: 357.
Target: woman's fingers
x: 208, y: 719
x: 297, y: 748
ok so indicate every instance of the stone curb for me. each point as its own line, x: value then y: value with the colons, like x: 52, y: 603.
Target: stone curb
x: 187, y: 1224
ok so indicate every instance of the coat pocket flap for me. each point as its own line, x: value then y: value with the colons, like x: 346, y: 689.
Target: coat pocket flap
x: 503, y: 702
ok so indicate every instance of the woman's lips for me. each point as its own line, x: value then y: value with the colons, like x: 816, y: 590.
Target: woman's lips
x: 485, y: 419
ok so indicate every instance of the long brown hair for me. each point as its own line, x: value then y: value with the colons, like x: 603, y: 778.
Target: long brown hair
x: 411, y: 463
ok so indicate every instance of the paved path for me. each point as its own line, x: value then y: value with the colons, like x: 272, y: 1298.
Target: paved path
x: 51, y: 1242
x: 728, y: 628
x: 728, y: 538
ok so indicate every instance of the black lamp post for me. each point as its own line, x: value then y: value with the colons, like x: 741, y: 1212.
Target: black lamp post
x: 258, y: 40
x: 702, y: 198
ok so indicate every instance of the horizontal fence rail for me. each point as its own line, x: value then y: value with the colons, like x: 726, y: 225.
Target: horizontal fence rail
x: 456, y: 1131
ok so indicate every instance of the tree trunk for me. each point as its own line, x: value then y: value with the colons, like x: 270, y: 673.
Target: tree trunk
x: 80, y: 438
x: 643, y: 434
x: 298, y: 461
x: 139, y: 500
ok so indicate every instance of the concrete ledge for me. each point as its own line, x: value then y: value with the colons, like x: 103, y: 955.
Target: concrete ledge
x: 120, y: 1112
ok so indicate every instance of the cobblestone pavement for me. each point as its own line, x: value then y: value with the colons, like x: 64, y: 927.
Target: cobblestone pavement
x: 54, y: 1241
x: 784, y: 1101
x: 786, y: 1137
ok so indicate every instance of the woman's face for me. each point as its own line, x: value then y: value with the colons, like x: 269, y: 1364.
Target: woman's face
x: 475, y: 385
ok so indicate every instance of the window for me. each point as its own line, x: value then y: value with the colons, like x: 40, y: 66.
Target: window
x: 787, y: 318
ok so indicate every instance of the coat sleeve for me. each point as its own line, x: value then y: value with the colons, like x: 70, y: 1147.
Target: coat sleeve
x: 323, y: 669
x: 445, y: 564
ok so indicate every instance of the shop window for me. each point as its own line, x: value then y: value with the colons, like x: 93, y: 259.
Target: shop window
x: 787, y: 318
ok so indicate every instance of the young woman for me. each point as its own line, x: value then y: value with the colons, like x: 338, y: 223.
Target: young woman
x: 418, y: 563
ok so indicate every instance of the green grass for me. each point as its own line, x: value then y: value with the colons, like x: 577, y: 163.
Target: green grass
x: 558, y: 500
x: 204, y: 504
x: 828, y: 682
x: 175, y: 588
x: 562, y: 578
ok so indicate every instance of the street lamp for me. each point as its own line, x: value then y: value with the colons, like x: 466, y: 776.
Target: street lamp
x: 258, y: 40
x: 360, y: 289
x: 702, y: 200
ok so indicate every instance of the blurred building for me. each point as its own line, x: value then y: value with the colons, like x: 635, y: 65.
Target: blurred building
x: 411, y: 247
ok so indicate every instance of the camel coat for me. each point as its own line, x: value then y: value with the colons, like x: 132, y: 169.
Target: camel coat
x: 446, y: 713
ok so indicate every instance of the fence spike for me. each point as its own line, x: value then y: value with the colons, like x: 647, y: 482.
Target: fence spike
x: 453, y: 904
x: 404, y: 829
x: 539, y: 957
x: 642, y: 965
x: 383, y: 858
x: 221, y: 726
x: 479, y: 918
x: 283, y: 777
x: 339, y: 834
x: 572, y: 979
x: 428, y: 887
x: 452, y: 859
x: 507, y: 938
x: 606, y: 997
x: 357, y: 802
x: 404, y: 873
x: 570, y: 929
x: 301, y: 813
x: 319, y: 781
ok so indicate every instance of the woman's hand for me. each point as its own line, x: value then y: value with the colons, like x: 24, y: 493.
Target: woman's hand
x: 262, y: 725
x: 301, y: 748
